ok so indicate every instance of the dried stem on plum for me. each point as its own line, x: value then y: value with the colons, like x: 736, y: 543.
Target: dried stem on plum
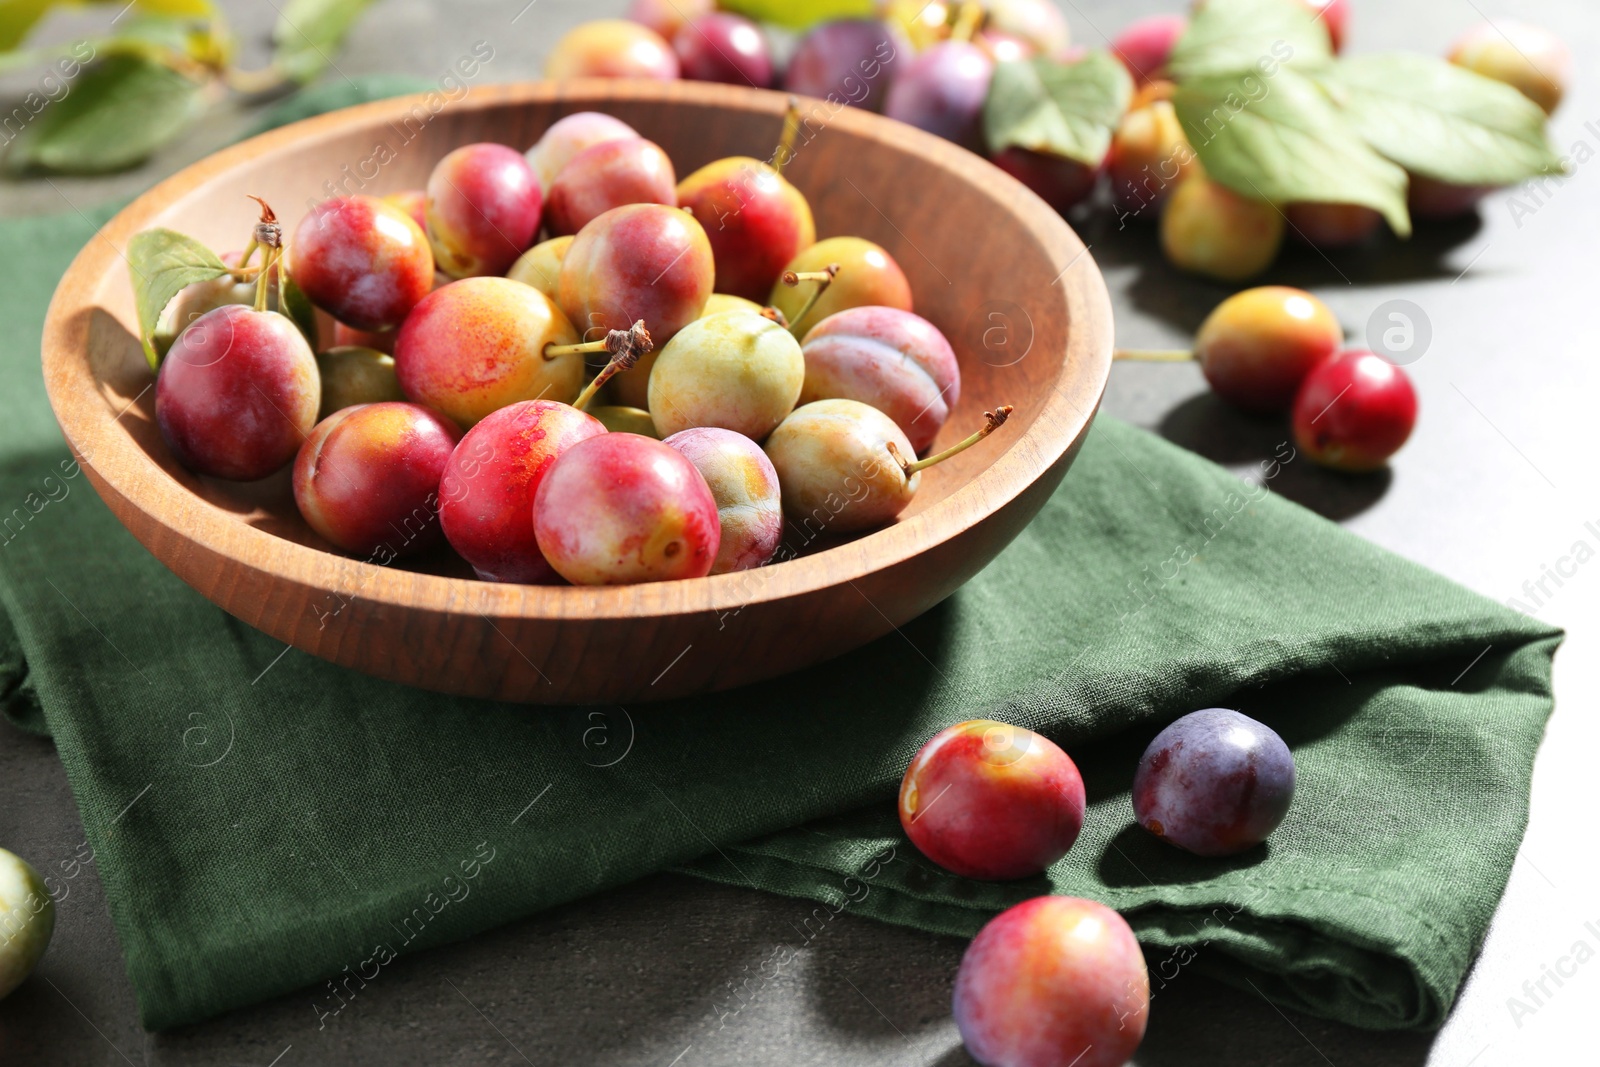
x: 823, y: 278
x: 627, y: 347
x: 993, y: 420
x: 269, y: 236
x: 776, y: 316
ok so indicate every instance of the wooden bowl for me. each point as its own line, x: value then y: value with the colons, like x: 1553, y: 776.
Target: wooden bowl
x: 992, y: 265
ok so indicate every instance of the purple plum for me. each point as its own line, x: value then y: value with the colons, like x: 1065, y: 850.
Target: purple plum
x: 1214, y: 783
x: 851, y: 61
x: 943, y: 90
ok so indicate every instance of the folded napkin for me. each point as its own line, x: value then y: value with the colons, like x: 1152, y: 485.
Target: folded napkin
x: 263, y: 820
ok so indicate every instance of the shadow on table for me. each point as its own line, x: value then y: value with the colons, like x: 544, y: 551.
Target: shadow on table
x: 1183, y: 300
x: 1227, y: 436
x: 1196, y: 1022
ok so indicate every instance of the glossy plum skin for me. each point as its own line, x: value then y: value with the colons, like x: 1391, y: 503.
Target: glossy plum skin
x: 540, y: 266
x: 237, y: 393
x: 571, y: 135
x: 868, y: 275
x: 1053, y: 982
x: 487, y: 490
x: 1533, y: 61
x: 834, y: 467
x: 362, y: 261
x: 1256, y: 347
x: 484, y: 208
x: 620, y: 508
x: 28, y: 915
x: 756, y: 222
x: 893, y: 360
x: 413, y: 202
x: 1149, y: 157
x: 942, y: 91
x: 354, y: 375
x: 989, y: 800
x: 1039, y: 23
x: 1058, y: 181
x: 1429, y: 198
x: 350, y: 337
x: 667, y: 17
x: 736, y: 370
x: 851, y: 61
x: 612, y: 48
x: 1332, y: 225
x: 1335, y: 15
x: 720, y: 302
x: 477, y: 345
x: 1214, y: 783
x: 726, y: 48
x: 608, y: 175
x: 1209, y: 229
x: 1354, y: 411
x: 641, y: 261
x: 367, y: 479
x: 745, y: 488
x: 1146, y: 44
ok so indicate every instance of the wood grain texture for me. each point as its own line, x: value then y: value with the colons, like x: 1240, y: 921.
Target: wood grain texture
x: 989, y: 263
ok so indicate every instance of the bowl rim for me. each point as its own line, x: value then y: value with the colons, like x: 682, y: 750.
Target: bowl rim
x: 123, y: 468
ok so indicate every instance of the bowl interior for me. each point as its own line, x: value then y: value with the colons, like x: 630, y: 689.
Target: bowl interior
x: 988, y: 263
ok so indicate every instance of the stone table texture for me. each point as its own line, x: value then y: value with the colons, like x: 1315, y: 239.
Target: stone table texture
x: 1497, y: 484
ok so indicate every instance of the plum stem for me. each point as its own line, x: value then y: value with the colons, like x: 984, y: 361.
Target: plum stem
x: 791, y: 130
x: 993, y: 420
x: 627, y: 347
x: 269, y: 236
x: 823, y: 278
x: 262, y: 278
x: 776, y: 316
x: 968, y: 18
x: 1153, y: 355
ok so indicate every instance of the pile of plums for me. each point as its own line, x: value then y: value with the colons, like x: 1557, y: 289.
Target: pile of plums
x: 750, y: 372
x: 1275, y: 349
x: 931, y: 63
x: 1060, y: 981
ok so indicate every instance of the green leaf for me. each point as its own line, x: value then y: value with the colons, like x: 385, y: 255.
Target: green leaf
x: 1283, y: 140
x: 1065, y: 109
x: 1233, y: 36
x: 162, y: 263
x: 297, y: 305
x: 800, y: 14
x: 118, y: 112
x: 1443, y: 121
x: 17, y: 17
x: 309, y: 32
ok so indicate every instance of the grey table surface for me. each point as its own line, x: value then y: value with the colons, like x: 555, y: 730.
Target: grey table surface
x: 1497, y: 486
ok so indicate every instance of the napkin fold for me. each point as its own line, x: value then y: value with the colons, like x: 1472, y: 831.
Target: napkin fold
x: 264, y: 821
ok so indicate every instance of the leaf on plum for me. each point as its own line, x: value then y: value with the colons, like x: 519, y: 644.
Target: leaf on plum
x: 1232, y: 36
x: 119, y: 111
x: 1064, y: 109
x: 309, y: 32
x: 162, y: 263
x: 1442, y: 121
x: 1284, y: 141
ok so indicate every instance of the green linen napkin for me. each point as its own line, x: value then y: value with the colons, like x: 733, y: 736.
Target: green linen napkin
x: 264, y: 821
